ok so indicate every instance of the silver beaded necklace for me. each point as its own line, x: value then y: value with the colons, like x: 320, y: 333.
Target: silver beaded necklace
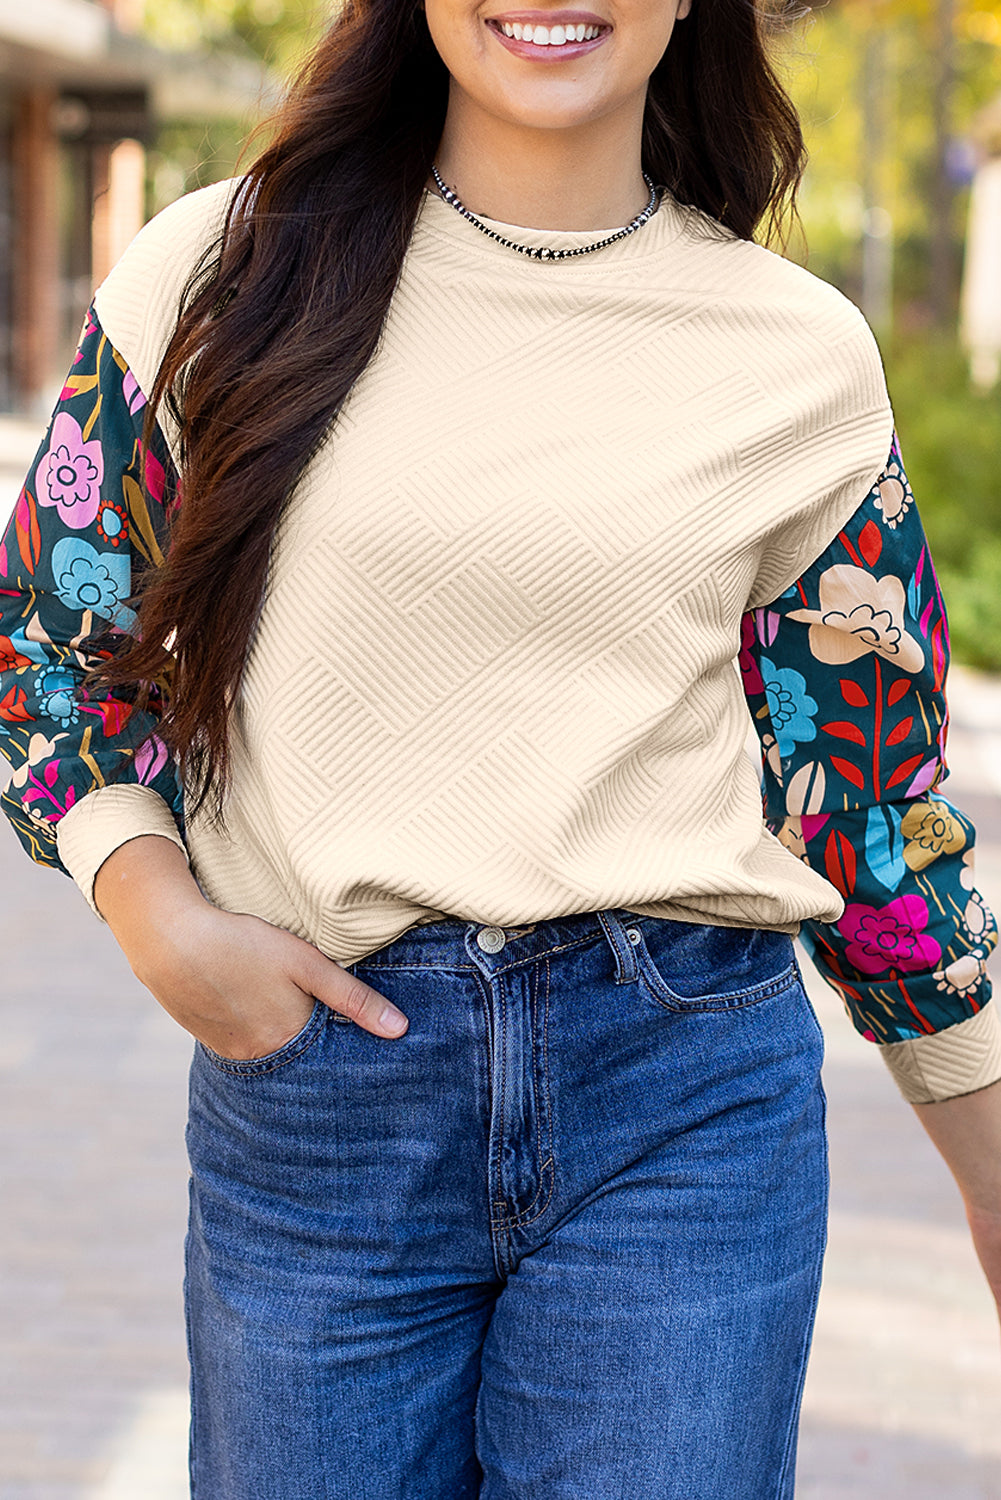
x: 543, y: 252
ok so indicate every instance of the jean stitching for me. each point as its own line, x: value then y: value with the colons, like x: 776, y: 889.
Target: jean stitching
x: 734, y: 1000
x: 502, y: 969
x: 500, y: 1221
x: 549, y: 1165
x: 547, y: 1180
x: 520, y: 1217
x: 524, y: 1216
x: 279, y: 1059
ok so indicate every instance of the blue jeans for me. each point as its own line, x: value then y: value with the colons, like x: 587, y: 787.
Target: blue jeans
x: 564, y: 1239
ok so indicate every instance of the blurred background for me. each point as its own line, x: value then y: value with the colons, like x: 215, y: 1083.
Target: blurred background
x: 109, y: 110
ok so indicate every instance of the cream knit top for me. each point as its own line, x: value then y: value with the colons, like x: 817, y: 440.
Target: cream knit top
x: 494, y: 674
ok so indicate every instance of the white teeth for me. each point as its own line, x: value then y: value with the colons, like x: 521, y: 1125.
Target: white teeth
x: 545, y: 36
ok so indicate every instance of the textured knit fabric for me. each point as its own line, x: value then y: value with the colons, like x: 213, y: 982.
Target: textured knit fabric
x: 494, y: 674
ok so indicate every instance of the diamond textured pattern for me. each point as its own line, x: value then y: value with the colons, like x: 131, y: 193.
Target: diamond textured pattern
x: 493, y: 677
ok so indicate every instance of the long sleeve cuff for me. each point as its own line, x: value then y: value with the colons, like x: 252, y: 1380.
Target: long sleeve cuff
x: 958, y: 1060
x: 104, y: 820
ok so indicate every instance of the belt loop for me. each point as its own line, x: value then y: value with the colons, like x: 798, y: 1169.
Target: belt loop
x: 625, y: 954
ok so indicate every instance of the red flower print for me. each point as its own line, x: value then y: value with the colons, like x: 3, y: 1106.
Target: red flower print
x: 113, y: 524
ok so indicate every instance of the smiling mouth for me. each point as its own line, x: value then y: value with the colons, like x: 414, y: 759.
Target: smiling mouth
x: 554, y: 36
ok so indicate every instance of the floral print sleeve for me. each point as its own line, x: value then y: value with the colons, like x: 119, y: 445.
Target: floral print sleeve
x: 91, y: 516
x: 845, y: 676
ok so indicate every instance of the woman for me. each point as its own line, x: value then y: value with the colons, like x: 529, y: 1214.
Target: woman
x: 375, y: 681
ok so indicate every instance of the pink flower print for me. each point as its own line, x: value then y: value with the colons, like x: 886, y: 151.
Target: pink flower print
x: 70, y: 474
x: 889, y: 937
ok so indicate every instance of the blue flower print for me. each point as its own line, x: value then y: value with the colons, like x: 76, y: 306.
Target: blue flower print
x: 55, y: 694
x: 790, y: 706
x: 86, y: 579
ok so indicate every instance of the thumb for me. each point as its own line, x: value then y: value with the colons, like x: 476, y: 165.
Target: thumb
x: 353, y: 998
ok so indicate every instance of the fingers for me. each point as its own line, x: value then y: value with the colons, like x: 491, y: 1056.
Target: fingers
x: 357, y: 1000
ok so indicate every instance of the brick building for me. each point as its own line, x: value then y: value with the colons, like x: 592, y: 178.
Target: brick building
x: 81, y: 97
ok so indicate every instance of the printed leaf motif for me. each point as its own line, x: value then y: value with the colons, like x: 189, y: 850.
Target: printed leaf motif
x: 114, y: 715
x: 901, y: 732
x: 78, y: 385
x: 852, y: 693
x: 135, y: 502
x: 926, y: 615
x: 904, y: 770
x: 150, y: 759
x: 805, y: 792
x: 12, y: 707
x: 870, y: 543
x: 939, y: 655
x: 29, y: 536
x: 848, y: 771
x: 842, y: 730
x: 897, y: 691
x: 839, y: 862
x: 51, y: 773
x: 884, y: 846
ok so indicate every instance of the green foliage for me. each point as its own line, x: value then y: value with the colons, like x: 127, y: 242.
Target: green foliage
x: 950, y: 437
x: 950, y: 434
x: 278, y: 31
x: 823, y: 63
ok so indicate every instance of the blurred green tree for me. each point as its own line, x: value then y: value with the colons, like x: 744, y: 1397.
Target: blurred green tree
x: 278, y: 31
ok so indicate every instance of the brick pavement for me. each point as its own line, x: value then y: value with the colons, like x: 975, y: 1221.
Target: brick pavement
x: 904, y: 1392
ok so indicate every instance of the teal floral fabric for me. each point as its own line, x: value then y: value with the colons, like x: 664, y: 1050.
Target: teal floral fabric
x: 73, y: 553
x: 845, y: 679
x: 844, y: 676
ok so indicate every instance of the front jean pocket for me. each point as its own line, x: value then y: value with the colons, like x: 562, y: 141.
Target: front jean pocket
x: 696, y: 966
x: 292, y: 1049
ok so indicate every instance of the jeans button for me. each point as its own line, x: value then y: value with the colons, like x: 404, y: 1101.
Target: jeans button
x: 491, y: 939
x: 633, y: 934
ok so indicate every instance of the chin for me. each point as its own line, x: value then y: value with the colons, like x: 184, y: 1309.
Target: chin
x: 539, y: 113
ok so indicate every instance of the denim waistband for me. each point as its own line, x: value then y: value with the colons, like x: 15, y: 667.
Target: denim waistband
x: 451, y: 942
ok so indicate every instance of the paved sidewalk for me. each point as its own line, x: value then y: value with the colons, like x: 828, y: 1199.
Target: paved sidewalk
x: 904, y: 1393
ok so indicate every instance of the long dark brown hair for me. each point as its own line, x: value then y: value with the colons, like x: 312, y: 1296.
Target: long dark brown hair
x: 284, y: 312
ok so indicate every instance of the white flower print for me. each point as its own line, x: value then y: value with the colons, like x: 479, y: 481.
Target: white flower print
x: 893, y: 495
x: 964, y: 974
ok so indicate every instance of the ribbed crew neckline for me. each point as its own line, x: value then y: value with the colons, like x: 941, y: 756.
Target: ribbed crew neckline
x: 442, y: 220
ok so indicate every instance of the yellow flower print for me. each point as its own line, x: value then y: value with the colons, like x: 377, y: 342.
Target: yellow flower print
x: 930, y: 830
x: 860, y: 613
